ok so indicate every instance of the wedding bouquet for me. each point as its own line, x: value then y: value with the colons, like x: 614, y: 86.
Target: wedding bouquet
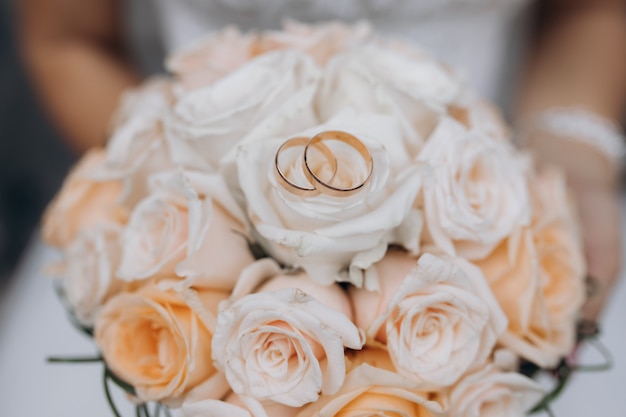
x: 317, y: 222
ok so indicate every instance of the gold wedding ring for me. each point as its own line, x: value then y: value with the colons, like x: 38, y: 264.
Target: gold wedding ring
x: 348, y: 139
x: 282, y: 177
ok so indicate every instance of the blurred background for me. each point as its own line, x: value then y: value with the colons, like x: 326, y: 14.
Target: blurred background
x: 33, y: 162
x: 33, y: 159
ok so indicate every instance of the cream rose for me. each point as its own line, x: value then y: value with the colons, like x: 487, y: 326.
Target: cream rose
x: 213, y: 57
x: 136, y: 148
x: 325, y: 234
x: 437, y: 321
x: 233, y: 406
x: 374, y: 390
x: 284, y: 345
x: 268, y: 409
x: 486, y: 119
x: 477, y: 194
x: 155, y: 240
x: 489, y: 392
x: 269, y: 95
x: 189, y: 225
x: 84, y: 202
x: 214, y: 408
x: 537, y: 277
x: 155, y: 342
x: 321, y: 42
x: 223, y: 52
x: 88, y: 271
x: 391, y: 79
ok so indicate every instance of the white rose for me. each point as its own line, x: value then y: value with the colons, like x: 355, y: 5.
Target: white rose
x: 136, y: 148
x: 214, y: 408
x: 486, y: 119
x: 405, y: 83
x: 89, y: 265
x: 212, y: 57
x: 189, y: 226
x: 220, y: 53
x: 270, y: 94
x: 319, y: 41
x: 233, y: 406
x: 489, y: 392
x: 436, y: 321
x: 477, y: 194
x: 155, y: 239
x: 284, y: 345
x: 326, y: 234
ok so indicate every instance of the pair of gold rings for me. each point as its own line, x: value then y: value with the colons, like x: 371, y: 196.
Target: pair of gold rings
x: 317, y: 184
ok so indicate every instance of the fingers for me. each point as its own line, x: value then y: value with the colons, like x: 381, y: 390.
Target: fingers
x: 601, y: 227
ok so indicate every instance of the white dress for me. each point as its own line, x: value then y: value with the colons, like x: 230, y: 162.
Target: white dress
x: 474, y: 36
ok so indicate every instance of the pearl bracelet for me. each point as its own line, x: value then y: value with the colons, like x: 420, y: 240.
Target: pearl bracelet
x: 583, y: 126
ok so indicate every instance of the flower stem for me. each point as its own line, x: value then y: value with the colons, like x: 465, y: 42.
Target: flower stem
x: 58, y: 359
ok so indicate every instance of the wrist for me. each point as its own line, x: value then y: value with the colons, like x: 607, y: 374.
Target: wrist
x: 583, y: 165
x: 589, y: 148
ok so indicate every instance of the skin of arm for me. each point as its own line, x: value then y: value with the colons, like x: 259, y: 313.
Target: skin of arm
x: 579, y: 60
x: 74, y: 52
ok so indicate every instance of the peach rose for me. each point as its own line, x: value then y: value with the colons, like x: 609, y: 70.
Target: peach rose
x: 154, y: 341
x: 477, y: 194
x: 282, y: 344
x: 489, y: 392
x: 437, y: 321
x: 88, y: 271
x: 374, y: 390
x: 189, y: 226
x: 212, y: 57
x: 83, y: 202
x: 537, y: 276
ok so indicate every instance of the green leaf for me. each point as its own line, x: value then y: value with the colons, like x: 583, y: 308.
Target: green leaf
x: 141, y: 410
x: 563, y: 374
x: 528, y: 369
x: 76, y: 359
x: 121, y: 383
x: 88, y: 331
x: 608, y: 359
x: 564, y: 371
x: 257, y: 250
x: 105, y: 381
